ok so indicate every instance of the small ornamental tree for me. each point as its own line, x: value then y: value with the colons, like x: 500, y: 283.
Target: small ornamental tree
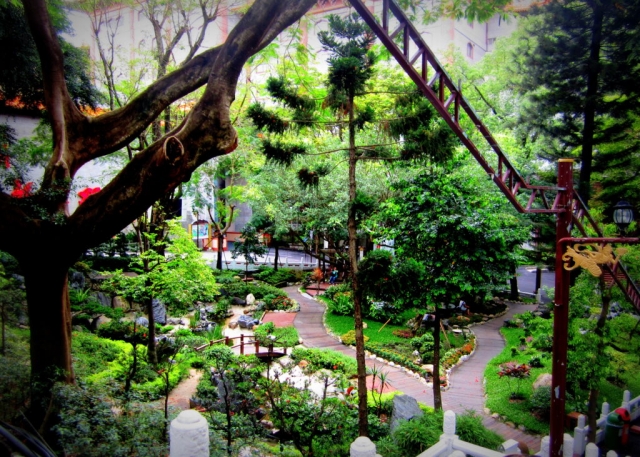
x: 465, y: 237
x: 178, y: 278
x: 249, y: 247
x: 514, y: 370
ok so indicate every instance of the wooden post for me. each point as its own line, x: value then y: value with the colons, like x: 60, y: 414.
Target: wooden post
x: 242, y: 344
x: 561, y: 309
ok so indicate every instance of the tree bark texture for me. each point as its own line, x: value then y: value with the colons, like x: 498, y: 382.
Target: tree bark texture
x: 437, y: 389
x: 588, y: 131
x: 41, y: 222
x: 363, y: 414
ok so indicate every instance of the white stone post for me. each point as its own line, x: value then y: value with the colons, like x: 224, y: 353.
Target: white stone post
x: 605, y: 410
x: 545, y: 446
x: 449, y: 423
x: 626, y: 399
x: 579, y: 437
x: 612, y: 454
x: 592, y: 450
x: 362, y: 447
x: 189, y: 435
x: 567, y: 446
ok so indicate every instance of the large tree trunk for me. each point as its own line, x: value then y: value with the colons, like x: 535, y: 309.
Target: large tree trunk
x: 50, y: 329
x: 205, y: 133
x: 590, y: 105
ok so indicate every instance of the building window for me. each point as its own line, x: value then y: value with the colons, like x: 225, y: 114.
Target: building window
x: 470, y: 50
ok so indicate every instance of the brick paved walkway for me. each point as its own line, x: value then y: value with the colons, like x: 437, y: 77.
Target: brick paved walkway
x: 466, y: 390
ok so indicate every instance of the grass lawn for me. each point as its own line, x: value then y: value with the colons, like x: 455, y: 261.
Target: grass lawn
x: 498, y: 390
x: 339, y: 325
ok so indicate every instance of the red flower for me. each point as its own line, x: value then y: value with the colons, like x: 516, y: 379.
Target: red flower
x: 20, y: 191
x: 7, y: 161
x: 84, y: 194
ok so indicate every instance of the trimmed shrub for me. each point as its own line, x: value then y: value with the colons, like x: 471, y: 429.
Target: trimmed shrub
x: 326, y: 358
x: 349, y: 338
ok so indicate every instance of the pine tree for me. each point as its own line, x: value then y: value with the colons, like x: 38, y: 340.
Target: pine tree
x: 581, y: 72
x: 418, y: 134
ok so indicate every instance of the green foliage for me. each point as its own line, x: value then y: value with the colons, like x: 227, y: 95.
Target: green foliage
x: 342, y: 304
x: 425, y: 135
x: 327, y: 359
x: 21, y: 75
x: 124, y: 330
x: 465, y: 238
x: 351, y: 61
x: 100, y: 362
x: 424, y: 345
x: 86, y: 306
x: 415, y: 436
x: 268, y: 334
x: 469, y: 428
x: 540, y: 402
x: 281, y: 152
x: 275, y: 277
x: 259, y: 291
x: 178, y: 279
x: 14, y: 374
x: 574, y: 51
x: 87, y: 425
x: 349, y: 338
x: 249, y: 246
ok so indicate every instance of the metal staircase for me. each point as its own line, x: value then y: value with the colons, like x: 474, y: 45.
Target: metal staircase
x: 405, y: 43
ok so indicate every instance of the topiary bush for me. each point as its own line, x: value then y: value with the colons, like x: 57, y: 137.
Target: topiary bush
x: 326, y: 358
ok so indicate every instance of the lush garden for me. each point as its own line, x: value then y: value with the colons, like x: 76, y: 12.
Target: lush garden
x: 605, y: 361
x: 404, y: 336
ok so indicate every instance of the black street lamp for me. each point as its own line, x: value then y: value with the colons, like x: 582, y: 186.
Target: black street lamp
x: 623, y: 215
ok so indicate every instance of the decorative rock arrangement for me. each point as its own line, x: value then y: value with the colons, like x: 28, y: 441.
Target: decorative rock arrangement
x: 405, y: 407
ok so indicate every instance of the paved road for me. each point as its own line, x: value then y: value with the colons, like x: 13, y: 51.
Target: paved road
x: 466, y: 390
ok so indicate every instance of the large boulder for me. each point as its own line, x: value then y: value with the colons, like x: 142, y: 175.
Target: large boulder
x: 76, y: 280
x: 101, y: 298
x: 404, y: 408
x: 159, y: 312
x: 143, y: 321
x: 250, y: 299
x: 542, y: 381
x: 238, y: 301
x: 120, y: 303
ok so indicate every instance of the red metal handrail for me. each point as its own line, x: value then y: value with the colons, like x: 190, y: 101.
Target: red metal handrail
x: 227, y: 340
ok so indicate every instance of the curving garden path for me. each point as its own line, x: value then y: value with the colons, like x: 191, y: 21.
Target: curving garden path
x: 466, y: 381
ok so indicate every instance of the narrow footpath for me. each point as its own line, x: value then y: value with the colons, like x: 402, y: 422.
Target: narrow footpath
x: 466, y: 391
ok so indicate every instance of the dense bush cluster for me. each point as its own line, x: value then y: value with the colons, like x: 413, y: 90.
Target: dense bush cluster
x: 322, y: 358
